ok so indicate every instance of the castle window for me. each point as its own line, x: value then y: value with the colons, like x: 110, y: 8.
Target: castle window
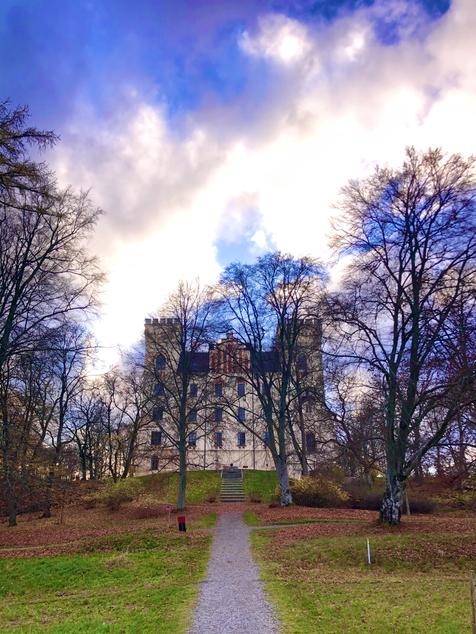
x: 193, y: 389
x: 156, y: 438
x: 241, y: 414
x: 240, y: 388
x: 219, y: 390
x: 241, y: 439
x: 192, y: 439
x: 218, y: 415
x: 192, y: 416
x: 218, y: 439
x: 157, y: 414
x: 160, y: 362
x: 310, y: 441
x: 159, y: 389
x: 154, y: 463
x: 302, y: 362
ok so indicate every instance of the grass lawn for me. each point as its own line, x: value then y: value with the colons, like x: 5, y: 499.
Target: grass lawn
x: 201, y: 485
x: 419, y: 582
x: 260, y: 484
x: 137, y: 582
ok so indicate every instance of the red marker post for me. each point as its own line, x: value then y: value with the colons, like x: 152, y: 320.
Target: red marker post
x: 181, y: 524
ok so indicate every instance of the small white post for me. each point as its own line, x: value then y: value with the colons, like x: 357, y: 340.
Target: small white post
x: 369, y: 561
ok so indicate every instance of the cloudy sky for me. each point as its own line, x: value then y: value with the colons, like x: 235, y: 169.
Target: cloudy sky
x: 215, y: 130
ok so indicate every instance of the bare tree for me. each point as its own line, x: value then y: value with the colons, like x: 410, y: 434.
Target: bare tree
x: 265, y: 306
x: 411, y: 236
x: 18, y: 172
x: 46, y: 274
x: 176, y: 360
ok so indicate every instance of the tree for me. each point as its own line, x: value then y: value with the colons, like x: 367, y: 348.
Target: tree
x: 46, y: 274
x: 17, y: 171
x: 411, y: 236
x: 357, y: 420
x: 265, y: 306
x: 174, y: 348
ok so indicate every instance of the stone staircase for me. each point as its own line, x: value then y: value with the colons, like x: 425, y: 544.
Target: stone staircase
x: 231, y: 485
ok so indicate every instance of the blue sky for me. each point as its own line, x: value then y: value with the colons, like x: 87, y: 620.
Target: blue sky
x: 59, y: 52
x: 210, y: 131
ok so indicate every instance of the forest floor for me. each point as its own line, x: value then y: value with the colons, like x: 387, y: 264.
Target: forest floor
x: 315, y: 570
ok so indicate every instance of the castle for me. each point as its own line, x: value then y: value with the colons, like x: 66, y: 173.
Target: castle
x: 213, y: 386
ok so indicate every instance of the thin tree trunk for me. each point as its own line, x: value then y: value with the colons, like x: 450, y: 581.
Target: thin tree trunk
x: 182, y: 475
x: 11, y: 498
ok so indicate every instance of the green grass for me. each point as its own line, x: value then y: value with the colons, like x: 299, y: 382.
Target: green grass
x: 261, y: 484
x: 418, y: 583
x: 201, y: 485
x: 251, y: 519
x: 145, y: 583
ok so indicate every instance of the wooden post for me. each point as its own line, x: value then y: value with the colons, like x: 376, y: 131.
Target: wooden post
x: 473, y: 601
x: 407, y: 504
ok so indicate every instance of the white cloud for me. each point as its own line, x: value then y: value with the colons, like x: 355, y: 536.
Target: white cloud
x: 279, y: 38
x: 169, y: 199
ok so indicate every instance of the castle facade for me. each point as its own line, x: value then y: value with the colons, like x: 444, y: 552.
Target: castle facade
x: 214, y: 388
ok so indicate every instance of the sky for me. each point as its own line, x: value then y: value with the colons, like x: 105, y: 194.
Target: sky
x: 211, y: 131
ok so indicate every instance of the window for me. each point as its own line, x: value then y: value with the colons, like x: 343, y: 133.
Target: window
x: 218, y: 439
x: 156, y: 438
x: 218, y: 415
x: 219, y: 389
x: 241, y: 414
x: 159, y: 389
x: 241, y: 439
x: 193, y: 389
x: 310, y: 441
x: 266, y: 438
x: 158, y: 414
x: 160, y: 362
x: 192, y: 416
x: 154, y: 463
x: 192, y: 439
x: 240, y: 388
x: 302, y: 362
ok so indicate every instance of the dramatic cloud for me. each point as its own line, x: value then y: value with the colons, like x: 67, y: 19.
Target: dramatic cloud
x: 249, y: 174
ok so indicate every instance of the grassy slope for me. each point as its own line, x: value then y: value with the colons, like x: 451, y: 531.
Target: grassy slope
x: 261, y: 484
x: 145, y: 583
x: 201, y: 485
x: 325, y: 585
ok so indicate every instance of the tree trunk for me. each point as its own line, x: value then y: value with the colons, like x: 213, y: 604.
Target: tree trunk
x: 391, y: 509
x: 48, y: 495
x: 12, y: 507
x: 10, y: 491
x: 283, y: 477
x: 182, y: 477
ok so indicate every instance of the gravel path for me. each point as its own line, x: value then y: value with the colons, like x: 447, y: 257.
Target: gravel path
x: 232, y: 599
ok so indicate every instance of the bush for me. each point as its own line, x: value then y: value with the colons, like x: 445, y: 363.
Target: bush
x: 366, y: 501
x: 419, y: 504
x: 373, y: 501
x: 90, y: 501
x: 147, y: 512
x: 120, y: 492
x: 317, y: 491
